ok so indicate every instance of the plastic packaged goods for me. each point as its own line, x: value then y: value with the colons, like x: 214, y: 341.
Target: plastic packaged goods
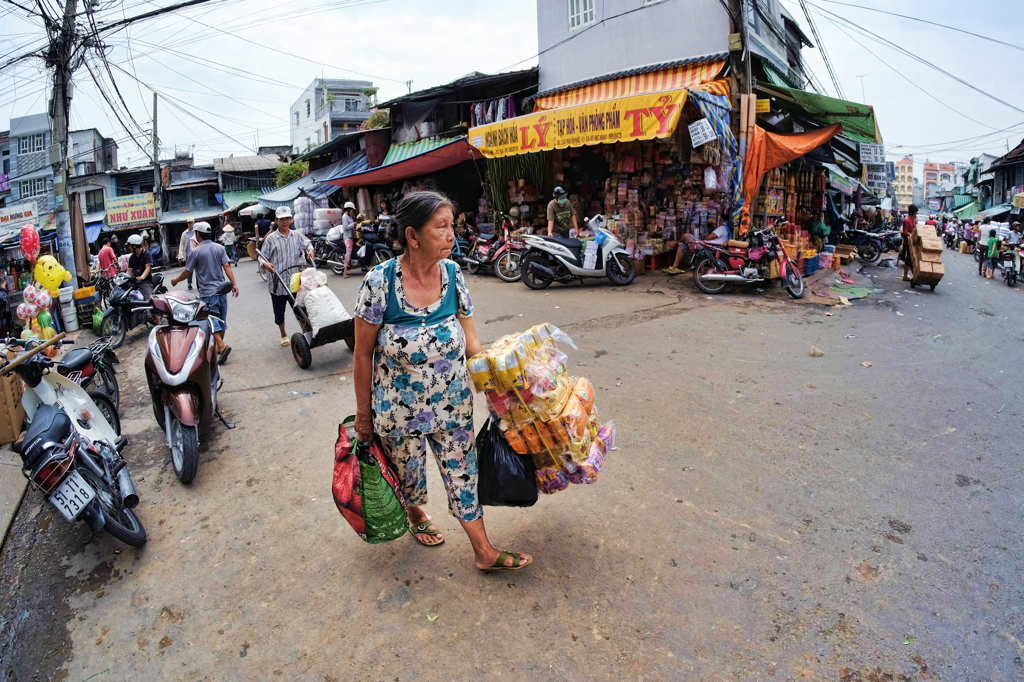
x: 551, y: 480
x: 480, y: 372
x: 500, y: 403
x: 607, y: 434
x: 549, y: 404
x: 585, y: 392
x: 592, y: 428
x: 521, y: 415
x: 516, y: 441
x: 574, y: 418
x: 558, y: 432
x: 507, y: 371
x: 533, y: 442
x: 544, y: 431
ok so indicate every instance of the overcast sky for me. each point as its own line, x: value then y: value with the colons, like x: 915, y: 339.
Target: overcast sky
x: 224, y: 62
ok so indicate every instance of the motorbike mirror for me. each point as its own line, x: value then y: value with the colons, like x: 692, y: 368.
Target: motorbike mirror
x: 224, y: 287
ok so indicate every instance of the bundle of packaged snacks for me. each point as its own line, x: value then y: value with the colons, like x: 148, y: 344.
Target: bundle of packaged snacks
x: 540, y: 409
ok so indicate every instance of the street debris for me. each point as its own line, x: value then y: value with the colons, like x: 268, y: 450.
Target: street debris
x: 815, y: 353
x: 433, y: 616
x: 865, y: 364
x: 851, y: 336
x: 909, y: 640
x: 845, y: 301
x: 1001, y: 409
x: 811, y: 386
x: 900, y: 314
x: 829, y: 314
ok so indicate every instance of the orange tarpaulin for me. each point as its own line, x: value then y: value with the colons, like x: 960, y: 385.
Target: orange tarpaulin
x: 769, y: 150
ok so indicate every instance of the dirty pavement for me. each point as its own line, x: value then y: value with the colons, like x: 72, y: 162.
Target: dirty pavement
x: 767, y: 515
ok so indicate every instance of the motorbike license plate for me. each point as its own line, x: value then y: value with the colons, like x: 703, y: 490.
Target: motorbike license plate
x: 72, y: 496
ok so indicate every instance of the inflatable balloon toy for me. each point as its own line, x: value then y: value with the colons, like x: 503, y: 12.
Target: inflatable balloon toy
x: 44, y: 299
x: 24, y: 311
x: 30, y: 242
x: 51, y: 274
x: 45, y: 320
x: 31, y: 295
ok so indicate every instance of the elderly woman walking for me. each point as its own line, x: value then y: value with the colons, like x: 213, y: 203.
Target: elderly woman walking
x: 414, y: 331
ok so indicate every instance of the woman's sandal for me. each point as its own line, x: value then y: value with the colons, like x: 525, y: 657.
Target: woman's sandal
x: 499, y: 565
x: 424, y: 529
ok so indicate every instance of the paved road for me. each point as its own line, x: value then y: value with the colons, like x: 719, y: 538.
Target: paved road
x: 768, y: 515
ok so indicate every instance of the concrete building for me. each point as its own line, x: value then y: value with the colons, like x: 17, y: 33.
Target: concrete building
x: 918, y: 196
x: 91, y: 152
x: 587, y: 39
x: 328, y: 108
x: 31, y: 173
x: 5, y: 167
x: 938, y: 174
x: 904, y: 182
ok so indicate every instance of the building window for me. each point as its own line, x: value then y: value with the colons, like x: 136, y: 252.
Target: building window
x: 32, y: 188
x: 296, y: 119
x: 351, y: 104
x: 307, y: 108
x: 31, y: 143
x: 581, y: 13
x: 94, y: 201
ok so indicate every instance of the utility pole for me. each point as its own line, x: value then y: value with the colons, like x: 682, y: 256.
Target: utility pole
x: 408, y: 84
x: 158, y: 193
x: 863, y: 96
x: 59, y: 105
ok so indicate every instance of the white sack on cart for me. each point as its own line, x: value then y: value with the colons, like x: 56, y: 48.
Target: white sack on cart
x: 310, y: 279
x: 324, y: 308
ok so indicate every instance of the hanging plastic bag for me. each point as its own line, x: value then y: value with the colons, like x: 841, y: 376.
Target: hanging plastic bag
x: 710, y: 179
x: 506, y: 479
x: 365, y: 488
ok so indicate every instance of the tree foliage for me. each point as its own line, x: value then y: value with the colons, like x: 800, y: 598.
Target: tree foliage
x: 288, y: 173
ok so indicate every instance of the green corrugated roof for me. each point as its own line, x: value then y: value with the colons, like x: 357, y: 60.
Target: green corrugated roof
x: 235, y: 199
x: 961, y: 200
x: 968, y: 211
x: 774, y: 76
x: 401, y: 152
x: 858, y: 119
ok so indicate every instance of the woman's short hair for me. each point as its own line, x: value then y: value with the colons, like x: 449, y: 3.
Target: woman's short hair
x: 414, y: 210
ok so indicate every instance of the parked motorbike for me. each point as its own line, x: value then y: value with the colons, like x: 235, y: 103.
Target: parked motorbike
x: 128, y: 309
x: 331, y: 252
x: 1009, y: 265
x: 183, y: 375
x: 72, y: 449
x: 92, y: 367
x: 561, y: 259
x: 746, y: 262
x: 869, y: 244
x: 950, y: 238
x: 892, y: 240
x: 502, y: 254
x: 373, y: 251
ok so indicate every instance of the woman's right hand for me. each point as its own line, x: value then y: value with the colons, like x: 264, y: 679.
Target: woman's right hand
x: 364, y: 427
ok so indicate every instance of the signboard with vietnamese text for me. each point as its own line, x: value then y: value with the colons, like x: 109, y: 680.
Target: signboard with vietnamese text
x: 701, y: 133
x: 764, y: 106
x: 878, y: 176
x: 13, y: 218
x: 642, y: 117
x: 137, y: 209
x: 872, y: 154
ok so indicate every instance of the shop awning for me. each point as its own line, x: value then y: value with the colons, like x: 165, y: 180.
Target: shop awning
x: 690, y: 73
x: 999, y: 210
x: 858, y: 120
x: 92, y: 231
x: 961, y: 200
x: 839, y: 180
x: 626, y: 119
x: 968, y: 211
x: 450, y: 153
x: 236, y: 199
x: 313, y: 183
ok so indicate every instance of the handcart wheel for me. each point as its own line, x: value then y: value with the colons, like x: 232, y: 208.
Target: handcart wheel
x: 300, y: 351
x: 933, y: 287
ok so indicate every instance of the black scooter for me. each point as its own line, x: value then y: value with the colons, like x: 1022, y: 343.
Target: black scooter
x: 128, y: 309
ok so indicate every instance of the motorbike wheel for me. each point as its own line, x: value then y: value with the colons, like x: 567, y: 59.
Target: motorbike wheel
x: 122, y: 523
x: 977, y: 255
x: 869, y: 253
x: 795, y: 282
x: 532, y: 278
x: 338, y: 269
x: 107, y: 409
x: 108, y: 384
x: 116, y: 327
x: 621, y: 274
x: 382, y: 255
x: 263, y: 272
x: 473, y: 268
x: 709, y: 286
x: 507, y: 267
x: 184, y: 450
x: 300, y: 351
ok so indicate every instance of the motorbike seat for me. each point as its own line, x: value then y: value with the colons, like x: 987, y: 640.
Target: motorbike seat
x: 78, y: 359
x: 737, y: 244
x: 574, y: 245
x: 49, y: 426
x: 158, y: 279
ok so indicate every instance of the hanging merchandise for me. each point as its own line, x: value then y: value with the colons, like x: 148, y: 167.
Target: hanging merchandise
x: 51, y: 274
x: 540, y: 409
x: 30, y: 242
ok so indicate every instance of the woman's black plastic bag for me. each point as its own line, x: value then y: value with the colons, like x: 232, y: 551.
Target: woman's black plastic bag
x: 506, y: 479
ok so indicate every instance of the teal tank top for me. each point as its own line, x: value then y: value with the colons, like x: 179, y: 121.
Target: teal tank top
x: 395, y: 314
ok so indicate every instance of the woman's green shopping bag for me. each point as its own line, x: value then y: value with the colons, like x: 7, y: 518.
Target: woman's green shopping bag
x: 366, y: 489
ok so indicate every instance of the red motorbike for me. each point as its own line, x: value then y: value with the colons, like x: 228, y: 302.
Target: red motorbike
x: 183, y: 376
x: 503, y: 254
x: 745, y: 262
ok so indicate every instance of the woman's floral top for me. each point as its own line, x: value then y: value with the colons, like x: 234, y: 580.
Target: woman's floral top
x: 420, y: 382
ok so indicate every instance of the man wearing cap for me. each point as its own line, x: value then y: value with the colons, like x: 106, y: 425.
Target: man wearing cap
x: 561, y: 215
x: 140, y: 266
x: 186, y: 244
x: 283, y: 249
x: 209, y: 261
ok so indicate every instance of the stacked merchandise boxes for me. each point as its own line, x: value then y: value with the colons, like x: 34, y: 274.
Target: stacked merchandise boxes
x: 926, y: 257
x: 542, y: 411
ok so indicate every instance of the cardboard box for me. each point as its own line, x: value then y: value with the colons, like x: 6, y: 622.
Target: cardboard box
x: 965, y: 247
x: 641, y: 267
x: 12, y: 414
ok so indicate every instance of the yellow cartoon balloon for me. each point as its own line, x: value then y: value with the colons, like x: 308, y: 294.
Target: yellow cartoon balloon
x: 48, y: 333
x: 51, y: 274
